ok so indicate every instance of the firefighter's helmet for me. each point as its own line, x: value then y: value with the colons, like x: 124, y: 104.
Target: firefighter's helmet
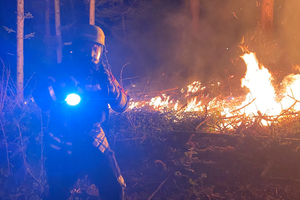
x: 91, y: 33
x: 89, y: 43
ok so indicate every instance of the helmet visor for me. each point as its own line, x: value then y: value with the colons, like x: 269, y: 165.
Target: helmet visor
x: 90, y: 51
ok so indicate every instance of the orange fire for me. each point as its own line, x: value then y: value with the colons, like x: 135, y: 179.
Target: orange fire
x: 258, y: 81
x: 261, y: 99
x: 262, y: 93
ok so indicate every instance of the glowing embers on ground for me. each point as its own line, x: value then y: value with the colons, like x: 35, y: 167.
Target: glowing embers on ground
x: 193, y: 104
x: 164, y: 102
x: 158, y: 102
x: 261, y: 99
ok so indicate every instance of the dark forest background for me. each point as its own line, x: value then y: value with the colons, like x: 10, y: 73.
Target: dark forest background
x: 157, y: 40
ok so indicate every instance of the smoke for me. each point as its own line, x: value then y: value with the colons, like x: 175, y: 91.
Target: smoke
x: 172, y: 50
x: 170, y: 47
x: 287, y: 33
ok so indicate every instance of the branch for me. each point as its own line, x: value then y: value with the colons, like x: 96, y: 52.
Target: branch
x: 121, y: 73
x: 4, y: 85
x: 22, y: 142
x: 297, y: 101
x: 160, y: 91
x: 158, y: 188
x: 130, y: 78
x: 28, y: 16
x: 202, y: 123
x: 6, y: 147
x: 42, y: 142
x: 29, y: 80
x: 284, y: 179
x: 9, y: 30
x: 66, y: 27
x: 286, y: 110
x: 24, y: 152
x: 28, y: 36
x: 267, y: 168
x: 244, y: 106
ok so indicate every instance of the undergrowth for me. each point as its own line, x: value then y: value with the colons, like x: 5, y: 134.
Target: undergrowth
x: 163, y: 155
x: 21, y: 145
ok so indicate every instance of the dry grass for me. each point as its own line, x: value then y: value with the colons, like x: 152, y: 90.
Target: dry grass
x: 22, y: 172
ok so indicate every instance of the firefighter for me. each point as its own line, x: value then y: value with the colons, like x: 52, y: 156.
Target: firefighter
x: 77, y: 94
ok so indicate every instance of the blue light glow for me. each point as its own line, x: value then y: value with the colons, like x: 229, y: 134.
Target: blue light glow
x: 73, y: 99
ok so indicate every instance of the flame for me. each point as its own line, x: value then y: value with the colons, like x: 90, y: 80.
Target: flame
x: 194, y: 87
x: 258, y: 81
x: 194, y: 105
x: 291, y: 84
x: 158, y: 102
x: 262, y: 98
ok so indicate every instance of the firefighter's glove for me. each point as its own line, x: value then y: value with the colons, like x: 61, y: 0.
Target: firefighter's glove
x: 118, y: 98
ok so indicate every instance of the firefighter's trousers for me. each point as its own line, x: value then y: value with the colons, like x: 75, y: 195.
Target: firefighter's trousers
x: 64, y: 167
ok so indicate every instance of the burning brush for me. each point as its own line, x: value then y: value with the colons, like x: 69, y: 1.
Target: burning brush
x: 261, y: 101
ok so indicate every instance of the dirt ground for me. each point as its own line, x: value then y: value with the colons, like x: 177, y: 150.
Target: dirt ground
x: 164, y: 159
x: 194, y: 165
x: 210, y: 167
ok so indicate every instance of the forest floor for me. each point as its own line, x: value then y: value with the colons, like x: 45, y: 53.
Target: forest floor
x: 166, y: 156
x: 161, y: 162
x: 161, y: 158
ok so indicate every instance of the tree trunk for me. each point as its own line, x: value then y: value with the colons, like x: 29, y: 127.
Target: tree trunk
x: 58, y: 31
x: 289, y: 30
x: 266, y: 18
x: 92, y: 12
x: 263, y: 43
x: 73, y: 12
x: 195, y: 10
x: 47, y: 28
x: 20, y: 45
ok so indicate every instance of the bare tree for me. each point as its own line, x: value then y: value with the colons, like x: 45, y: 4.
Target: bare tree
x: 263, y: 40
x: 195, y: 9
x: 92, y: 12
x: 58, y: 30
x: 122, y: 14
x: 47, y: 27
x: 73, y: 11
x: 266, y: 18
x: 20, y: 48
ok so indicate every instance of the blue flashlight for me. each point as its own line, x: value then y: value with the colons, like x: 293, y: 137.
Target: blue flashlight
x: 73, y: 99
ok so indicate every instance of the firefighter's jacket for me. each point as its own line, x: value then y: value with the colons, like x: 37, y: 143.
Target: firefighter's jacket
x: 71, y: 126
